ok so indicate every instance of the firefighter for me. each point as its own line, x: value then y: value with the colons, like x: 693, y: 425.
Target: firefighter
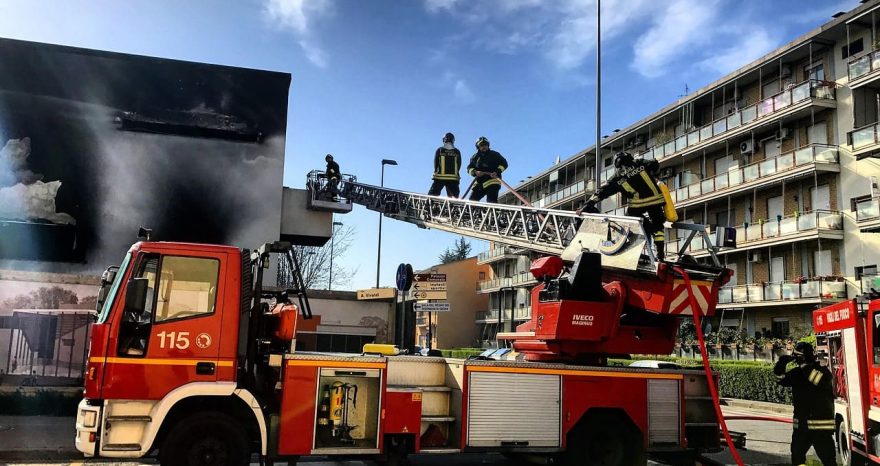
x: 637, y: 181
x: 486, y: 166
x: 333, y: 174
x: 813, y: 401
x: 447, y: 162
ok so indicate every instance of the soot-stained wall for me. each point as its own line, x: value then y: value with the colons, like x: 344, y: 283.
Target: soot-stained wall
x: 95, y: 144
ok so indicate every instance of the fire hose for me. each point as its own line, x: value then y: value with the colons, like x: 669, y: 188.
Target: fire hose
x: 695, y: 310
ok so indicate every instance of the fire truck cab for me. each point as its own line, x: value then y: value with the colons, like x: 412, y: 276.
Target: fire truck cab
x: 192, y: 359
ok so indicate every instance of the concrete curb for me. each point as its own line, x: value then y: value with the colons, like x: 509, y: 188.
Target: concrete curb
x: 758, y: 405
x: 41, y: 455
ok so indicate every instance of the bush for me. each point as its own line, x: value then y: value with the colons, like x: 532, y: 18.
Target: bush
x: 461, y: 353
x: 40, y: 401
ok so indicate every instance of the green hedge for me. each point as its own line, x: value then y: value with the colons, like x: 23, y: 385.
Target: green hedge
x: 40, y: 401
x: 462, y: 353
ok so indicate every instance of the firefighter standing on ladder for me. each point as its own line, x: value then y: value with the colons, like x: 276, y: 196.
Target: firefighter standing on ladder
x: 447, y: 162
x: 486, y: 166
x: 637, y: 181
x: 813, y: 401
x: 333, y: 174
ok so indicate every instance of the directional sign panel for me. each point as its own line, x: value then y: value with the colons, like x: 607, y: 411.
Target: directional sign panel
x: 429, y: 286
x: 431, y: 307
x: 429, y: 277
x: 413, y: 294
x: 375, y: 293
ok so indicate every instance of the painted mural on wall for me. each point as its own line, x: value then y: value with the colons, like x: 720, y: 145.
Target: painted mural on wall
x: 96, y: 144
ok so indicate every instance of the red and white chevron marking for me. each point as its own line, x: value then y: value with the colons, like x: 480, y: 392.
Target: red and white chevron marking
x: 681, y: 304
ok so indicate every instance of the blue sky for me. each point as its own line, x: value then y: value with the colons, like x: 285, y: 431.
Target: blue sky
x: 377, y: 79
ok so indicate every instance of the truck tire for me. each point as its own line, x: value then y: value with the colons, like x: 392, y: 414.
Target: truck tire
x: 841, y: 437
x: 209, y: 439
x: 604, y: 440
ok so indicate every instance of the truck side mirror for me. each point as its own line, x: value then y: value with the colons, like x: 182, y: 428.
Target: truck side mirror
x: 136, y: 295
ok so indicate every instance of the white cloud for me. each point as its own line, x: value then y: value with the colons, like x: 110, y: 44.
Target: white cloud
x: 681, y: 27
x: 462, y: 91
x: 437, y: 5
x: 296, y: 17
x: 756, y: 44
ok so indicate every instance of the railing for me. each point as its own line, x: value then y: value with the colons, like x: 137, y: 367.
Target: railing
x: 870, y: 282
x: 498, y: 251
x: 564, y: 193
x: 768, y: 106
x: 783, y: 291
x: 869, y: 209
x: 757, y: 170
x: 777, y: 228
x: 520, y: 279
x: 864, y: 136
x: 519, y: 313
x: 863, y: 65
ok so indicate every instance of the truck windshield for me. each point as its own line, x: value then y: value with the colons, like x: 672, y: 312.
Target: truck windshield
x: 111, y: 295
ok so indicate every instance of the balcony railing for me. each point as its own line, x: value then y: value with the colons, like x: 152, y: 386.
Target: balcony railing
x: 776, y: 228
x: 520, y: 313
x: 864, y: 136
x: 498, y: 251
x: 486, y: 315
x: 869, y: 209
x: 768, y: 106
x: 782, y: 291
x: 572, y: 190
x: 521, y: 279
x: 864, y: 65
x: 755, y: 171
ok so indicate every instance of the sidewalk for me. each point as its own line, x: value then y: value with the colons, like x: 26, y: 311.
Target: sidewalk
x: 37, y: 438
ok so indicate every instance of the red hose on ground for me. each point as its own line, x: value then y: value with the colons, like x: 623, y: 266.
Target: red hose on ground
x: 709, y: 379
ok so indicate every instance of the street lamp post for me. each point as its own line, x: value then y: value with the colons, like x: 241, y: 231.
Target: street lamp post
x: 379, y: 249
x: 332, y: 240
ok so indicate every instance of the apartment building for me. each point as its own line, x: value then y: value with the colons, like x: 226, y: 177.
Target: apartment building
x: 782, y: 149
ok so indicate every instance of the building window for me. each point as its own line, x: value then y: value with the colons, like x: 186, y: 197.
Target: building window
x: 853, y: 48
x: 866, y: 271
x: 815, y: 72
x: 780, y: 327
x: 482, y: 276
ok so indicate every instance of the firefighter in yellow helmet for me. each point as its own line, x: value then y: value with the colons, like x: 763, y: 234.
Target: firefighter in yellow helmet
x: 813, y: 400
x: 637, y: 181
x: 486, y: 166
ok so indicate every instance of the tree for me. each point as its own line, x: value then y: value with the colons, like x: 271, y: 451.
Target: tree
x: 314, y: 262
x: 461, y: 250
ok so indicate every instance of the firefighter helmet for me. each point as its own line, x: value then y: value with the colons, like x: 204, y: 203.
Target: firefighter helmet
x: 328, y: 157
x: 480, y: 141
x: 623, y: 158
x: 448, y: 137
x: 805, y: 350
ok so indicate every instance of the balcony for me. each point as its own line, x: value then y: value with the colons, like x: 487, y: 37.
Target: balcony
x: 863, y: 69
x: 519, y: 280
x: 868, y: 215
x: 823, y: 224
x: 790, y: 102
x: 520, y: 313
x: 565, y: 194
x: 788, y: 292
x: 496, y: 254
x: 864, y: 141
x: 800, y: 162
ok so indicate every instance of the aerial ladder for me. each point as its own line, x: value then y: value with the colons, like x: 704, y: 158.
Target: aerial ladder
x: 601, y: 292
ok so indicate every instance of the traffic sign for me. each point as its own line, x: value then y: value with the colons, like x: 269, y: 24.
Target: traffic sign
x: 376, y: 293
x: 429, y: 277
x: 427, y: 294
x: 429, y: 286
x: 431, y: 307
x: 404, y: 277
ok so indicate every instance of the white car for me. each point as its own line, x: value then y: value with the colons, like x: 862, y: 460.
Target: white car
x: 652, y: 364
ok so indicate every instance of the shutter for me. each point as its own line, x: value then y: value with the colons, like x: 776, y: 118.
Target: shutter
x: 506, y: 407
x: 664, y: 413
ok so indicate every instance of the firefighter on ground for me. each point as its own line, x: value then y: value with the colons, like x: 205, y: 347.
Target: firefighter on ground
x: 447, y: 162
x: 486, y: 166
x: 637, y: 181
x: 333, y: 174
x: 813, y: 401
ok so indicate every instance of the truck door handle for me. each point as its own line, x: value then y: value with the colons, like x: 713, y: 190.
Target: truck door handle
x: 205, y: 368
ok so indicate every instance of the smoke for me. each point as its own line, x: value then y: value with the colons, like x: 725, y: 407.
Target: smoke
x: 23, y: 196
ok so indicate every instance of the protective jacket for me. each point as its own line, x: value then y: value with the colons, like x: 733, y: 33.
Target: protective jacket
x: 812, y: 396
x: 447, y: 163
x: 489, y: 161
x: 637, y: 182
x: 332, y: 170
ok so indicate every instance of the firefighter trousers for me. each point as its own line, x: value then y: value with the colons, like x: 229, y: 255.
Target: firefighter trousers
x: 653, y: 218
x: 491, y: 192
x: 453, y: 188
x: 821, y: 440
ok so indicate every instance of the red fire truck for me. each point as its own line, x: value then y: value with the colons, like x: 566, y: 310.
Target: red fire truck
x: 193, y: 359
x: 848, y: 333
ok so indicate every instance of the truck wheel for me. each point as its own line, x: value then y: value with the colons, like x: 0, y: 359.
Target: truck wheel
x: 841, y: 435
x: 604, y: 440
x: 210, y: 439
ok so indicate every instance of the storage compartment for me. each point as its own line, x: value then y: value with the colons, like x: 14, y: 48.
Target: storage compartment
x: 348, y: 409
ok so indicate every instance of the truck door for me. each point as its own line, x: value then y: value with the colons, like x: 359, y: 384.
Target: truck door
x: 175, y: 340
